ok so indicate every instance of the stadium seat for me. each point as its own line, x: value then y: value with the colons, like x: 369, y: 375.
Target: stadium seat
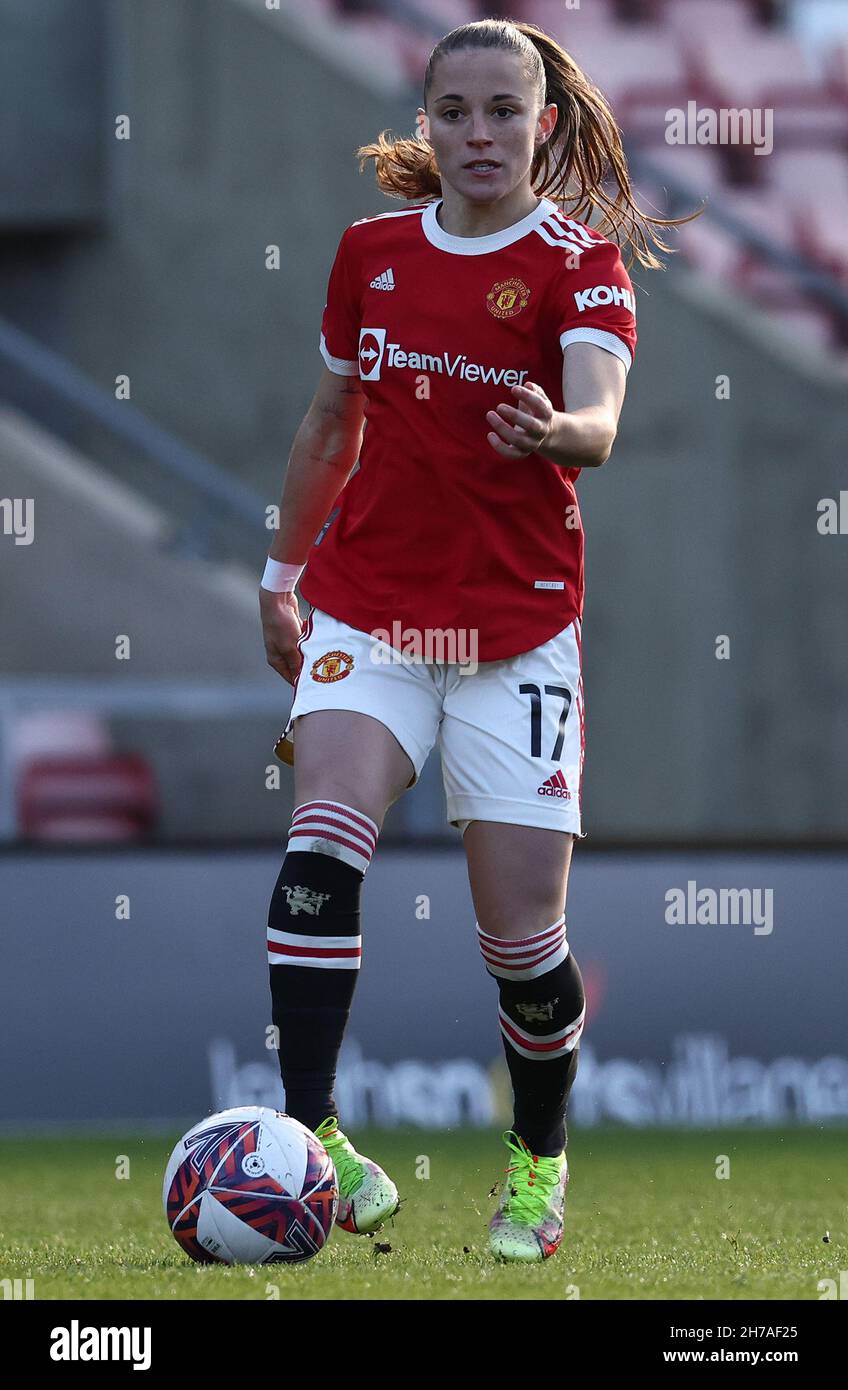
x: 440, y: 15
x: 449, y: 14
x: 715, y: 254
x: 719, y: 54
x: 553, y: 16
x: 656, y: 190
x: 699, y: 244
x: 661, y: 11
x: 45, y: 732
x: 772, y: 287
x: 716, y: 251
x: 765, y: 212
x: 803, y: 119
x: 693, y: 18
x: 91, y: 797
x: 836, y: 64
x: 814, y: 186
x: 804, y: 323
x: 767, y: 72
x: 709, y: 249
x: 694, y: 166
x: 643, y: 63
x: 742, y: 74
x: 802, y: 176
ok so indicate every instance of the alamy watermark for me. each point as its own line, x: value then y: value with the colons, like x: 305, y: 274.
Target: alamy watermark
x: 455, y: 645
x: 79, y: 1342
x: 17, y: 518
x: 707, y: 125
x: 708, y: 907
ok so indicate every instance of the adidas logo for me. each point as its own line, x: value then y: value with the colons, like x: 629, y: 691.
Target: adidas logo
x: 555, y: 786
x: 386, y: 281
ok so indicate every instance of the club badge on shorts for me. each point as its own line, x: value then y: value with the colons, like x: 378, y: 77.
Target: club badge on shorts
x: 332, y: 666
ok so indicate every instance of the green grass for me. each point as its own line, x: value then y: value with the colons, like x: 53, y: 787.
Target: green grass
x: 646, y: 1219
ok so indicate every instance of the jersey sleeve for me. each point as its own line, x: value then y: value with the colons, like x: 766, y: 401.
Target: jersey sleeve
x: 341, y: 321
x: 597, y: 304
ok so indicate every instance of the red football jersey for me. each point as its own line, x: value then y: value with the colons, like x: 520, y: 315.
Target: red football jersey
x: 435, y: 530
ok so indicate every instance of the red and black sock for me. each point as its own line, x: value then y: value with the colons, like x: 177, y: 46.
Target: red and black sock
x: 314, y: 949
x: 541, y: 1013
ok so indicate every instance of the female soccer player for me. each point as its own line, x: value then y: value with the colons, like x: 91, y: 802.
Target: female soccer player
x: 485, y: 337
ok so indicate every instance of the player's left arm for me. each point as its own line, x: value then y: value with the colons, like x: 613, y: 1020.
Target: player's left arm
x: 581, y: 435
x: 593, y: 385
x: 592, y: 312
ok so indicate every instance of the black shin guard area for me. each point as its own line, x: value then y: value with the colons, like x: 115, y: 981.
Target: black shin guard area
x: 542, y: 1007
x: 316, y: 897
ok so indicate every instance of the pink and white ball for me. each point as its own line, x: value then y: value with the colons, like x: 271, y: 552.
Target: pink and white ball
x: 250, y: 1186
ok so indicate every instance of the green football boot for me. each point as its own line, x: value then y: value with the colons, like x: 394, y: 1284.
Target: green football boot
x: 367, y: 1195
x: 529, y: 1220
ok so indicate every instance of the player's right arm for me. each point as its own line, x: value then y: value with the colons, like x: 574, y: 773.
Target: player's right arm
x: 323, y: 455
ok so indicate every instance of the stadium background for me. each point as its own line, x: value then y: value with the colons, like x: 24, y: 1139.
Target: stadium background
x: 174, y: 180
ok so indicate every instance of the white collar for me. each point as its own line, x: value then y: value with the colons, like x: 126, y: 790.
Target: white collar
x: 480, y: 245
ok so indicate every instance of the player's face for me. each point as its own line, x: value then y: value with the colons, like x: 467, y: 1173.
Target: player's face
x: 482, y: 107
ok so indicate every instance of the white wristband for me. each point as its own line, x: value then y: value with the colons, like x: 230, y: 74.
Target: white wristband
x: 279, y: 578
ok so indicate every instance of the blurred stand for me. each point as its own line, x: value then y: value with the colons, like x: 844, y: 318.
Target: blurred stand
x: 169, y: 212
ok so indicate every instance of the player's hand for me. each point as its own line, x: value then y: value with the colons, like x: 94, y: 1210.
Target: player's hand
x: 521, y: 429
x: 281, y: 627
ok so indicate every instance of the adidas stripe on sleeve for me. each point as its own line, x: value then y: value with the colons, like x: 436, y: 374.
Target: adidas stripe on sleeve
x: 596, y: 302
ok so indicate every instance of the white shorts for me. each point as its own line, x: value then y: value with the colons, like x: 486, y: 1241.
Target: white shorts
x: 510, y: 731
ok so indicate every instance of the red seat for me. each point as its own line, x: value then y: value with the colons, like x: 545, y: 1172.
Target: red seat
x: 386, y: 42
x: 708, y: 248
x: 836, y: 60
x: 450, y: 14
x: 629, y: 63
x: 765, y: 212
x: 700, y: 243
x: 805, y: 324
x: 763, y: 61
x: 695, y: 166
x: 560, y: 23
x: 804, y: 119
x: 814, y: 186
x: 86, y: 797
x: 715, y: 249
x: 696, y: 17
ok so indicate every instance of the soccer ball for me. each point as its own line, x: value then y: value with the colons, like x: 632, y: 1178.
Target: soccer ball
x: 250, y: 1186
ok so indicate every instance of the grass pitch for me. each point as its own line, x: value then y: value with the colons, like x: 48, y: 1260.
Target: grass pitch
x: 647, y: 1218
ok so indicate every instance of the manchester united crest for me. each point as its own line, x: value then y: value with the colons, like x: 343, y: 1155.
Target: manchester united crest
x: 332, y: 666
x: 507, y: 298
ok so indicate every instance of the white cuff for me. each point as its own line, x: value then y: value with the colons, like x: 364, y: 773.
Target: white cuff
x: 608, y: 341
x: 339, y: 365
x: 279, y: 578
